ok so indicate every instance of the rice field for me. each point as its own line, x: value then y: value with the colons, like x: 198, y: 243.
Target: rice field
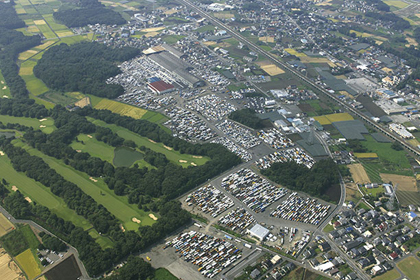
x: 329, y: 119
x: 366, y: 155
x: 121, y: 108
x: 27, y: 262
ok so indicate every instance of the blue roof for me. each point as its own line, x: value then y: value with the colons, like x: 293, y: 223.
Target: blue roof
x: 413, y: 215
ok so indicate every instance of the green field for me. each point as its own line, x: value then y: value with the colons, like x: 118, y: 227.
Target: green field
x: 409, y: 267
x: 374, y: 191
x: 164, y: 274
x: 94, y: 147
x: 173, y: 156
x: 390, y: 275
x: 99, y: 191
x: 17, y: 241
x: 35, y: 123
x: 390, y: 160
x: 35, y: 85
x: 154, y: 117
x: 172, y: 39
x: 28, y: 263
x: 126, y: 157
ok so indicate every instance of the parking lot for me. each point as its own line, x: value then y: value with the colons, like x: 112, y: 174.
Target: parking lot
x: 254, y: 191
x: 298, y: 209
x: 211, y: 107
x: 239, y: 134
x: 242, y: 153
x: 187, y: 125
x: 274, y: 138
x: 237, y: 220
x: 295, y: 154
x: 209, y: 200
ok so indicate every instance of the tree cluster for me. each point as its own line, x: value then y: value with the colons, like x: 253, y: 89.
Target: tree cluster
x: 8, y: 17
x: 51, y: 243
x: 88, y: 12
x: 247, y: 117
x: 135, y: 268
x: 83, y: 67
x: 315, y: 181
x: 380, y: 5
x: 356, y: 146
x: 397, y: 22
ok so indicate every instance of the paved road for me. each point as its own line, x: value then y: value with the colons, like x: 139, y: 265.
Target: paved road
x: 71, y: 250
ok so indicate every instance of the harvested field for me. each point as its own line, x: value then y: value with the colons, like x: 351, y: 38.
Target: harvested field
x: 295, y: 52
x: 8, y: 268
x: 154, y: 29
x: 40, y: 22
x: 339, y: 117
x: 5, y: 225
x: 272, y: 70
x: 66, y: 270
x: 308, y: 59
x: 405, y: 183
x: 266, y: 39
x: 358, y: 173
x: 352, y: 193
x: 83, y: 103
x: 120, y: 108
x: 223, y: 15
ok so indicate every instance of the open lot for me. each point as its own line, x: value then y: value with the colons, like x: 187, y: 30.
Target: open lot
x: 121, y: 108
x: 27, y: 262
x: 8, y: 268
x: 405, y: 183
x: 352, y: 193
x: 66, y: 270
x: 99, y: 191
x: 172, y: 155
x: 272, y: 69
x: 409, y: 267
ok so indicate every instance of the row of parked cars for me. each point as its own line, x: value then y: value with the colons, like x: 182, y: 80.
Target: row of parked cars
x: 231, y: 146
x: 212, y: 107
x: 239, y: 134
x: 274, y: 138
x: 295, y: 154
x: 238, y: 220
x: 209, y: 200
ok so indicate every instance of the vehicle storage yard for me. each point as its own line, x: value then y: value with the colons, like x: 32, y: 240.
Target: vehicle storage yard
x: 238, y: 220
x: 209, y: 200
x: 299, y: 209
x: 256, y: 192
x: 275, y: 139
x: 231, y: 146
x: 211, y: 107
x: 239, y: 134
x: 295, y: 154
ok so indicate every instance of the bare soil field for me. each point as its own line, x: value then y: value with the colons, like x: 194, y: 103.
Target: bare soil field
x: 358, y: 173
x: 352, y: 193
x: 405, y: 183
x: 5, y: 225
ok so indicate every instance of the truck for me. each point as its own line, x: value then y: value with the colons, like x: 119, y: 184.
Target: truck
x: 247, y: 245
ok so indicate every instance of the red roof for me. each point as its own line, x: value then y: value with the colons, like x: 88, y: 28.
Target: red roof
x: 160, y: 86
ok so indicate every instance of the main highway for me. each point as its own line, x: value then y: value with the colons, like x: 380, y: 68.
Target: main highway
x: 308, y: 81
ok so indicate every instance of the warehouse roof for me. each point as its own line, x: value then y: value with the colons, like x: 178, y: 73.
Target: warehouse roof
x: 259, y: 231
x: 160, y: 86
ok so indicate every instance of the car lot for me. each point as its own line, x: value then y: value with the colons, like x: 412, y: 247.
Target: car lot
x: 210, y: 254
x: 239, y: 134
x: 274, y: 138
x: 254, y: 191
x: 298, y: 209
x: 209, y: 200
x: 146, y: 99
x: 295, y: 154
x: 211, y: 107
x: 187, y: 125
x: 238, y: 220
x: 242, y: 153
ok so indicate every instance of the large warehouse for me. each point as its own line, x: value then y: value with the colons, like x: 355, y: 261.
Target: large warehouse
x: 170, y: 59
x: 259, y: 232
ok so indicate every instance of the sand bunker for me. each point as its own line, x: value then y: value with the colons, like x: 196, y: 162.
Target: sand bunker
x: 90, y: 136
x: 28, y: 199
x: 152, y: 141
x: 136, y: 220
x: 93, y: 179
x: 168, y: 148
x: 2, y: 82
x: 42, y: 120
x: 4, y: 87
x: 42, y: 126
x: 152, y: 216
x: 5, y: 96
x: 14, y: 188
x: 182, y: 161
x: 193, y: 164
x: 1, y: 153
x: 79, y: 151
x: 197, y: 156
x: 122, y: 228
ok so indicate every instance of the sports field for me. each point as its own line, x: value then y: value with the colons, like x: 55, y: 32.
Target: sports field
x: 94, y: 147
x: 27, y: 262
x: 121, y: 108
x: 409, y: 267
x: 39, y: 193
x: 8, y: 268
x: 358, y: 173
x: 98, y: 190
x: 46, y: 126
x: 176, y: 157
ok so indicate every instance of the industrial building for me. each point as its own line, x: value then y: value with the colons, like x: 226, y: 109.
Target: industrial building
x: 259, y: 232
x: 169, y: 58
x: 161, y: 87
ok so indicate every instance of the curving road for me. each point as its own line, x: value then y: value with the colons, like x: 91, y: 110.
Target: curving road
x: 71, y: 250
